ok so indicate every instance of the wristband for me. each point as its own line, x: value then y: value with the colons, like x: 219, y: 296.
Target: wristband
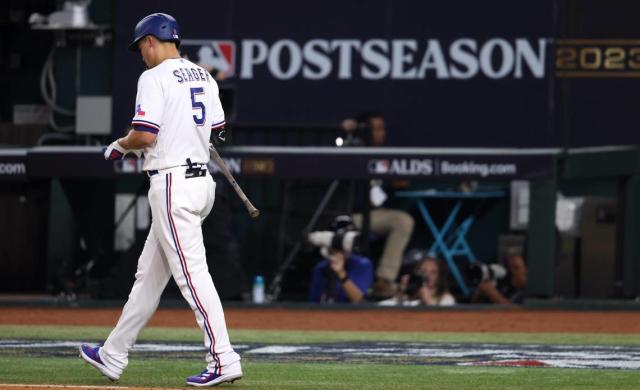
x: 346, y: 277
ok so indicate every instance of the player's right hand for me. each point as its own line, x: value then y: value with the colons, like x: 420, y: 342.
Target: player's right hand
x: 114, y: 151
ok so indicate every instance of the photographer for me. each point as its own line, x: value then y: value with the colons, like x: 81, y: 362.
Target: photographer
x: 505, y: 286
x: 369, y: 129
x: 426, y: 285
x: 342, y: 276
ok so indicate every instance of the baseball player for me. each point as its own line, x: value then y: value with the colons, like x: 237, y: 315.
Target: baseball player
x: 177, y: 109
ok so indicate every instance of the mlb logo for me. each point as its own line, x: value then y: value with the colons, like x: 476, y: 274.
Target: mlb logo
x: 219, y: 55
x: 379, y: 167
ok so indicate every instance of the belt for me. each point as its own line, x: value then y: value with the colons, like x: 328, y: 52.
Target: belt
x: 193, y: 170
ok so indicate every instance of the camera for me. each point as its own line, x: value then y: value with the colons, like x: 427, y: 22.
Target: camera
x: 415, y: 282
x: 342, y: 236
x: 480, y: 272
x: 353, y: 140
x: 357, y: 131
x: 349, y: 140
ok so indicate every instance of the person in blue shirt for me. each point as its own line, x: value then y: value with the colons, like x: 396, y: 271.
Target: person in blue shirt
x: 342, y: 276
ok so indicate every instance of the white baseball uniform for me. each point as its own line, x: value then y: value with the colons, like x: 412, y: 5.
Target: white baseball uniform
x: 178, y: 101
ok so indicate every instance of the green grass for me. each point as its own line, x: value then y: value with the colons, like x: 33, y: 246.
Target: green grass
x: 171, y: 373
x: 89, y: 333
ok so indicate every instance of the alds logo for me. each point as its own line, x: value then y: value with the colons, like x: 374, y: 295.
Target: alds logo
x: 219, y: 55
x: 403, y: 166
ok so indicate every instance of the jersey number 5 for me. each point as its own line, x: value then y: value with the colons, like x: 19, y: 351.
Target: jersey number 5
x: 195, y: 93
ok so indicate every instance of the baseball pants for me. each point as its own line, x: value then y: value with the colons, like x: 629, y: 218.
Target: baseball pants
x: 174, y: 247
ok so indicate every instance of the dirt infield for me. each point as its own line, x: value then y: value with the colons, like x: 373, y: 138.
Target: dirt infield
x: 515, y: 320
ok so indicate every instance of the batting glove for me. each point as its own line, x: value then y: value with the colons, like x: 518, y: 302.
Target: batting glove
x: 116, y: 152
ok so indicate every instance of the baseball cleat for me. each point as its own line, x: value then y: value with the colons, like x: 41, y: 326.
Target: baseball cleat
x: 91, y: 356
x: 209, y: 378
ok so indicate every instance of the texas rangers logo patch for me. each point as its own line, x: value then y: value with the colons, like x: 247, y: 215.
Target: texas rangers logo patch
x: 218, y: 55
x: 139, y: 111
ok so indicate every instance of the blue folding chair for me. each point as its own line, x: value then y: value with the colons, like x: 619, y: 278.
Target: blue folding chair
x: 450, y: 240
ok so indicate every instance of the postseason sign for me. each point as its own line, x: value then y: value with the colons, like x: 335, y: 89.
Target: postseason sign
x: 372, y: 59
x: 495, y: 73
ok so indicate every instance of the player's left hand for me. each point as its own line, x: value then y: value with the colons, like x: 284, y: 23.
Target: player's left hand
x: 114, y: 151
x: 220, y: 137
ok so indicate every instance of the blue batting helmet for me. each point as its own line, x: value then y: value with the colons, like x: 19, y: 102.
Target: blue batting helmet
x: 162, y: 26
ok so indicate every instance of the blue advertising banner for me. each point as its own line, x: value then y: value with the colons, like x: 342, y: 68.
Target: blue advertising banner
x: 294, y: 162
x: 13, y: 165
x: 457, y: 73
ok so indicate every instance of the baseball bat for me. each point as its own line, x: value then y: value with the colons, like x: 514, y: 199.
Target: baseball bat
x: 253, y: 211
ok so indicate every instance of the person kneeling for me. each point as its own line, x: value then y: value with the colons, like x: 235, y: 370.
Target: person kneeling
x: 425, y: 285
x: 342, y: 276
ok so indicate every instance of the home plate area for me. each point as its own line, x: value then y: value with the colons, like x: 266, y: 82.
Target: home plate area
x: 511, y: 355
